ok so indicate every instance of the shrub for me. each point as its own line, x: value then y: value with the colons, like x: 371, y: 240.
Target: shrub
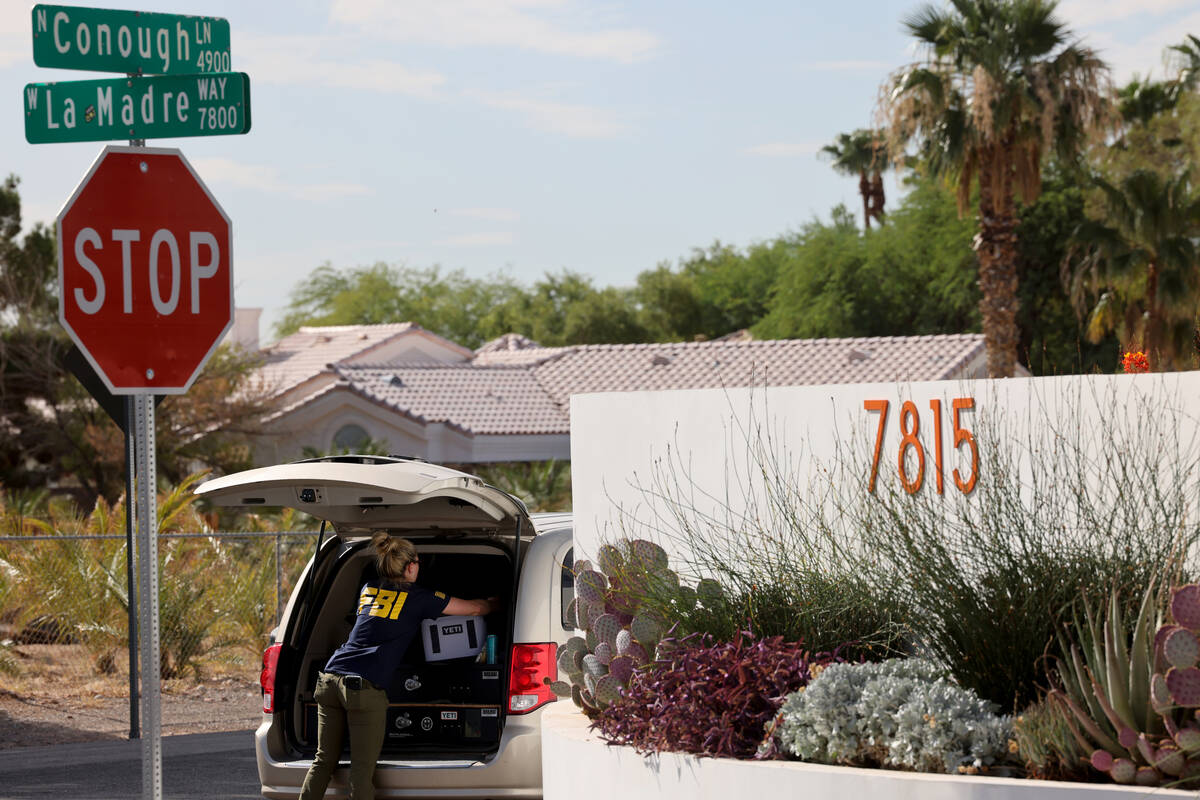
x: 764, y: 538
x: 709, y: 698
x: 1063, y: 512
x: 1046, y: 745
x: 901, y: 713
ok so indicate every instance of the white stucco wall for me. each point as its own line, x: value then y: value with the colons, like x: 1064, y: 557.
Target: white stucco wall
x: 579, y: 765
x: 629, y: 449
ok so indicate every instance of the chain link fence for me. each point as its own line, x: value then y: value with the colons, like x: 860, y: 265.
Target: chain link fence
x: 64, y: 617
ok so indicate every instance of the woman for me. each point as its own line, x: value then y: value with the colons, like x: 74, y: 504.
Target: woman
x: 352, y: 689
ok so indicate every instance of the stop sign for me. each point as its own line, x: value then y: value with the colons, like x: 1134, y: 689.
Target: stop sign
x: 145, y: 275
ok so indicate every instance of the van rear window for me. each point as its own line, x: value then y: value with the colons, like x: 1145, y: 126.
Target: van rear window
x: 568, y: 589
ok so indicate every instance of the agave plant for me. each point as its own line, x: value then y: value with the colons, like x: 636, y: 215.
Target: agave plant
x: 1130, y: 699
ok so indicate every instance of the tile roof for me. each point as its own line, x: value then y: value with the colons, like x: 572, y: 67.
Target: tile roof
x: 781, y: 362
x: 526, y: 389
x: 309, y: 351
x: 476, y: 400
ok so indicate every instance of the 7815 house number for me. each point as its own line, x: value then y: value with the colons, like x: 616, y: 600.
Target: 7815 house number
x: 910, y: 428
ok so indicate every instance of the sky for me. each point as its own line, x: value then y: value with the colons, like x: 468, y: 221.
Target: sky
x: 530, y: 136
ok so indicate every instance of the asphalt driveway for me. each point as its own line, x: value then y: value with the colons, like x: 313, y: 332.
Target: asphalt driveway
x: 195, y: 767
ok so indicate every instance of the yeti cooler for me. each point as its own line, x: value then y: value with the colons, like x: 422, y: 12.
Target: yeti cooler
x: 452, y: 637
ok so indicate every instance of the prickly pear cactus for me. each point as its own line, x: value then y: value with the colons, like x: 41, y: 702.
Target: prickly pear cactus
x: 617, y: 632
x: 1178, y: 646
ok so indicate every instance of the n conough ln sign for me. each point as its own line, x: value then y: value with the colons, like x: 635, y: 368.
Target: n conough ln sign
x: 145, y: 270
x: 110, y: 40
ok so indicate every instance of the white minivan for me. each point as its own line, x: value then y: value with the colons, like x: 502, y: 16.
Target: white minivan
x: 466, y: 727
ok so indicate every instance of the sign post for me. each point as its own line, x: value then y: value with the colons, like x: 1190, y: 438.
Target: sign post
x: 145, y: 268
x: 147, y: 522
x: 146, y: 293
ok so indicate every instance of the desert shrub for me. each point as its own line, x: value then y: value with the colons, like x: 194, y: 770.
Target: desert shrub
x: 8, y: 582
x: 65, y: 589
x: 901, y: 713
x: 1061, y: 514
x: 1046, y: 745
x: 764, y: 537
x: 709, y: 698
x: 542, y: 485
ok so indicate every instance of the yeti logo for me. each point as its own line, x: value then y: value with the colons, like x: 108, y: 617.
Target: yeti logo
x: 450, y: 630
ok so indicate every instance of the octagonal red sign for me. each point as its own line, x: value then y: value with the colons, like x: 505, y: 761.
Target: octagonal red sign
x: 145, y: 273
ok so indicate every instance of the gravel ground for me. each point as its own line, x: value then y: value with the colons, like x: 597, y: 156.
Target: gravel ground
x: 224, y: 704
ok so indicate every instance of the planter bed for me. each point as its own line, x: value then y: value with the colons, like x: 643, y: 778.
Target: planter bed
x: 578, y: 765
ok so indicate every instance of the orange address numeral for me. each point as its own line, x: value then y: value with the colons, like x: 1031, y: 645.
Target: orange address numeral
x: 910, y: 428
x: 882, y: 407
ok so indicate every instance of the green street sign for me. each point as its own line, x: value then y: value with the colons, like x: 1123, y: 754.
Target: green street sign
x: 136, y: 42
x: 150, y: 107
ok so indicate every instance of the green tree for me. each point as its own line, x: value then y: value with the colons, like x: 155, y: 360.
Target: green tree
x: 998, y: 90
x: 1136, y: 267
x: 449, y: 304
x: 1052, y: 337
x: 864, y: 154
x: 30, y: 342
x: 714, y: 292
x: 914, y: 276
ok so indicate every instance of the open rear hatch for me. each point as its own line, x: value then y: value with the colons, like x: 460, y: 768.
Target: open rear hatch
x: 469, y: 537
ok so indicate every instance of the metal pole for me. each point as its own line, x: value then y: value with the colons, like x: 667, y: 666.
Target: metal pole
x: 131, y: 595
x: 148, y: 558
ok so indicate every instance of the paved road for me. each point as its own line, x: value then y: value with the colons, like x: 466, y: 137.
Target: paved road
x: 202, y: 766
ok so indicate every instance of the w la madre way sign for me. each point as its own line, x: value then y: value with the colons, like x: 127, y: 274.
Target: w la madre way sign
x: 145, y: 270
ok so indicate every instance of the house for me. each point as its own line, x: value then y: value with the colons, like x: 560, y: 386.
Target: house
x: 423, y: 395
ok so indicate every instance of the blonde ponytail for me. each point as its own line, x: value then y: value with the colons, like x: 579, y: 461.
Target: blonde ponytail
x: 393, y: 554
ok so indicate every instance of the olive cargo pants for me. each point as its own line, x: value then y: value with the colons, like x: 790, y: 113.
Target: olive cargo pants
x: 342, y: 706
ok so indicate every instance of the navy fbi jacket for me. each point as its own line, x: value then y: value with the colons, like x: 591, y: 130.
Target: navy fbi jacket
x: 389, y: 616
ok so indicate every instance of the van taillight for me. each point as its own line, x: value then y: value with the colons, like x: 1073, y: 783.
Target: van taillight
x: 267, y: 678
x: 533, y: 667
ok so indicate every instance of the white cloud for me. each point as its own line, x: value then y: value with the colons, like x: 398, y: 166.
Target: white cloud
x: 1082, y: 13
x: 15, y: 33
x: 579, y: 121
x: 558, y: 27
x: 782, y: 149
x: 325, y: 61
x: 10, y: 56
x: 268, y: 179
x: 478, y: 239
x: 15, y: 24
x: 1145, y: 55
x: 491, y: 214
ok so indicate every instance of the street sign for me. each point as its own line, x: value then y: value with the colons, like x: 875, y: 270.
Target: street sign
x: 106, y: 40
x: 156, y: 107
x: 145, y: 270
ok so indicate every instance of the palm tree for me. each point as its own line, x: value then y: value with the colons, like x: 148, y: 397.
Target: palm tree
x: 1139, y: 264
x: 862, y: 153
x: 999, y: 89
x: 1187, y: 62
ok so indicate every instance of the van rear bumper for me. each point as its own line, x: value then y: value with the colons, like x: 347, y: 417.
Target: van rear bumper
x: 514, y: 772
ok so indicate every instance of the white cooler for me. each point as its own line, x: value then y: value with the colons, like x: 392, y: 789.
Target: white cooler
x: 453, y: 637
